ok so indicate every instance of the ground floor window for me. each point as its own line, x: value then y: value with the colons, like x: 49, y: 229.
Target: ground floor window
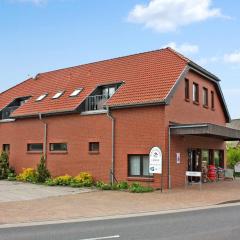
x: 93, y: 147
x: 35, y: 147
x: 58, y: 147
x: 138, y: 166
x: 6, y: 148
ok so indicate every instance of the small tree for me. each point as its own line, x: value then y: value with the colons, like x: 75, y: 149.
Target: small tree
x: 233, y: 157
x: 4, y: 165
x: 42, y: 172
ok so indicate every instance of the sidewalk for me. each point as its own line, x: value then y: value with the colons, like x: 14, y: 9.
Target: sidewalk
x: 107, y: 203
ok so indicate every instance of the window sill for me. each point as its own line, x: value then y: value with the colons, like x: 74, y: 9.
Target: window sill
x: 141, y: 179
x: 205, y: 106
x: 34, y: 152
x: 93, y: 152
x: 213, y: 109
x: 187, y: 99
x: 196, y: 103
x: 58, y: 152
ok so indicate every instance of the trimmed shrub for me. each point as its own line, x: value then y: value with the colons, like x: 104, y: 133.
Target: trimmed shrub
x: 28, y: 175
x: 42, y: 172
x: 4, y: 165
x: 138, y: 188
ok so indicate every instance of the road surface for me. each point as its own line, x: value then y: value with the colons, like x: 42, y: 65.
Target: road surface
x: 211, y: 224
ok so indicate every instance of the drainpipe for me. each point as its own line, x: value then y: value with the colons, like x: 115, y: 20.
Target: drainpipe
x: 112, y: 171
x: 169, y: 158
x: 45, y: 137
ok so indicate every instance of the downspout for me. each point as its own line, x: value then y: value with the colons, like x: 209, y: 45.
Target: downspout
x: 169, y: 158
x: 112, y: 171
x: 45, y: 137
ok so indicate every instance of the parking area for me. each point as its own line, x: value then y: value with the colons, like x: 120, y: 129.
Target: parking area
x: 17, y: 191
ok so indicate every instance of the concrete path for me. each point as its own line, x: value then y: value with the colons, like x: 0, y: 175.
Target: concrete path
x: 16, y: 191
x: 110, y: 203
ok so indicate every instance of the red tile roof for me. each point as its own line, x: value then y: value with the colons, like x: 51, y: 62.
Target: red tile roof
x: 148, y: 77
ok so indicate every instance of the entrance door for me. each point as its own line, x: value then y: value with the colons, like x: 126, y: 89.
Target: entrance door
x: 194, y: 162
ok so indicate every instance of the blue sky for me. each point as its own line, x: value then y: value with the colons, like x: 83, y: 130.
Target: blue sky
x: 42, y: 35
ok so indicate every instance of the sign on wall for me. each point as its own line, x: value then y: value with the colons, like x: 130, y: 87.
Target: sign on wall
x: 155, y: 160
x: 178, y: 158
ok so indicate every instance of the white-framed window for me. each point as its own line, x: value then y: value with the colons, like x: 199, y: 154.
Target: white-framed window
x: 76, y: 92
x: 40, y: 98
x: 58, y: 95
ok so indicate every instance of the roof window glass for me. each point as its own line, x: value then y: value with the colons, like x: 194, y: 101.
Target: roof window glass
x: 58, y: 95
x: 40, y: 98
x: 76, y: 92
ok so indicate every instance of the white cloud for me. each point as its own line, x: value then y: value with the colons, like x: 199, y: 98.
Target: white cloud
x: 184, y: 48
x: 233, y: 57
x: 169, y: 15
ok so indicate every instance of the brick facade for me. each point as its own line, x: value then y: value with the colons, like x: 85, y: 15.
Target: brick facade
x: 137, y: 129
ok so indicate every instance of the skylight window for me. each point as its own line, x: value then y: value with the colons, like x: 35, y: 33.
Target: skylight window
x: 58, y: 95
x: 76, y: 92
x: 40, y: 98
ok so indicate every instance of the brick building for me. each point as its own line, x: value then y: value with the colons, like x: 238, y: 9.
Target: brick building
x: 105, y: 117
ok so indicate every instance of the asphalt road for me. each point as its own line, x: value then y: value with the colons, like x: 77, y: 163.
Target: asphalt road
x: 219, y: 224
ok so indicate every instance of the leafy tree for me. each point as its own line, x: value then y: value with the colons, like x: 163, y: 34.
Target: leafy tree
x: 233, y: 157
x: 4, y: 165
x: 42, y: 172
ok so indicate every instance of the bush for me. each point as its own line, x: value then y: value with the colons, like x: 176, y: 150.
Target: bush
x: 103, y: 186
x: 50, y: 182
x: 233, y: 157
x: 11, y: 174
x: 4, y: 165
x: 82, y: 180
x: 138, y: 188
x: 63, y: 180
x: 28, y: 175
x: 123, y: 185
x: 42, y: 172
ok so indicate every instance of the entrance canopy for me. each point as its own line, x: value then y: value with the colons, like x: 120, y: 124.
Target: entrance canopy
x: 207, y: 130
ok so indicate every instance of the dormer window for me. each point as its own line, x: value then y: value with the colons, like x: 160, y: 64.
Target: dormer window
x: 76, y: 92
x: 108, y: 91
x: 40, y: 98
x: 58, y: 95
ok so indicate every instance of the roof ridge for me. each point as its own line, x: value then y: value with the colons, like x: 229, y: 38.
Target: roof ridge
x: 178, y: 54
x: 105, y: 60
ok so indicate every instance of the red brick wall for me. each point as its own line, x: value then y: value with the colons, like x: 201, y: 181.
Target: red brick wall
x: 76, y: 130
x: 181, y: 111
x: 137, y: 131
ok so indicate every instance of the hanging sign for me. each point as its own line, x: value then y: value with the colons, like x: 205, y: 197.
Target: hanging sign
x: 155, y: 160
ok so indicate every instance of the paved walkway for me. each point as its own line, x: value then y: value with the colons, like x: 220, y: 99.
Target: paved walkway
x: 16, y: 191
x: 107, y: 203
